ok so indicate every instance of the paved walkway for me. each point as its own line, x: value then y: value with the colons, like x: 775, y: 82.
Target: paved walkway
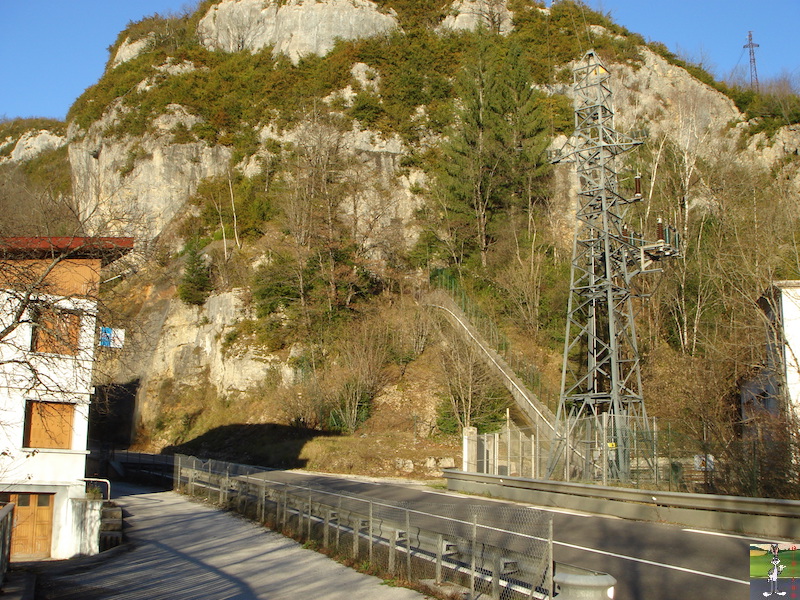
x: 182, y: 550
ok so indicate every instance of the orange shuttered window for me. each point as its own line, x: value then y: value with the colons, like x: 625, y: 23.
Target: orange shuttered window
x: 55, y: 331
x: 48, y: 425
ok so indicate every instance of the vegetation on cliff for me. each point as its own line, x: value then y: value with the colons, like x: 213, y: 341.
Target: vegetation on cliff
x: 332, y: 281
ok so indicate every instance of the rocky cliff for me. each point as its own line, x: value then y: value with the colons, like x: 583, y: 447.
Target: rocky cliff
x: 139, y: 184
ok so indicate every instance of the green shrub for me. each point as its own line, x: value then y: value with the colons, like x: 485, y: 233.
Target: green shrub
x: 195, y: 286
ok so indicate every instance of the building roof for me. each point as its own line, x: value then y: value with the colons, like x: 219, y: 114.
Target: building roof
x: 107, y: 249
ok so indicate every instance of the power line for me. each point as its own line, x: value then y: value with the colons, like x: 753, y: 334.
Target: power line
x: 753, y: 72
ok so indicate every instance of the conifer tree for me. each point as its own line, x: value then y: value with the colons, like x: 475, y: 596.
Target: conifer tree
x: 495, y: 154
x: 473, y: 158
x: 195, y: 285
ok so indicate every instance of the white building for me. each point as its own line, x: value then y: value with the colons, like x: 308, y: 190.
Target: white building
x: 777, y: 386
x: 48, y: 320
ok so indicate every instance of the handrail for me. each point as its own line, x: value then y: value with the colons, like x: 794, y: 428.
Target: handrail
x: 6, y: 525
x: 524, y: 392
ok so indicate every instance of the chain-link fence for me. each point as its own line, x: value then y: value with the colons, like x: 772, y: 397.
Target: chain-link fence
x: 588, y: 451
x: 451, y: 549
x: 512, y: 451
x: 656, y: 456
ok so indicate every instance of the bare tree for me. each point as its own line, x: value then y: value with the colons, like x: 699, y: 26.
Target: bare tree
x: 362, y: 356
x: 472, y: 389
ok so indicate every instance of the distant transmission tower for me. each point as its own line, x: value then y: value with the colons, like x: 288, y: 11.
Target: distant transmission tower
x: 601, y: 420
x: 753, y: 72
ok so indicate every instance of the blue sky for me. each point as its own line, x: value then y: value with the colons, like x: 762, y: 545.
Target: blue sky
x: 51, y: 50
x: 713, y: 32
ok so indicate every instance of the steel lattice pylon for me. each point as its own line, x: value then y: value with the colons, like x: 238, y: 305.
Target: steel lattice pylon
x: 601, y: 403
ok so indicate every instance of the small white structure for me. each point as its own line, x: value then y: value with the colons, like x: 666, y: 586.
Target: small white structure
x: 777, y: 386
x: 48, y: 318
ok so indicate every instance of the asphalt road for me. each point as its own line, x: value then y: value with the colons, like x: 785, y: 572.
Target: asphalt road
x: 650, y: 561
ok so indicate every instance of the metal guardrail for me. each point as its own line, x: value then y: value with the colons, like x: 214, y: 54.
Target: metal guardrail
x: 6, y: 525
x: 503, y: 552
x: 767, y: 518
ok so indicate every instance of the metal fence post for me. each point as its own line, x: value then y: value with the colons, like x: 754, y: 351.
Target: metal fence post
x: 325, y: 532
x: 262, y: 501
x: 408, y: 545
x: 439, y: 553
x: 338, y: 522
x: 356, y: 525
x: 655, y: 450
x: 473, y: 551
x: 392, y: 550
x: 285, y: 500
x: 371, y: 503
x: 310, y: 510
x: 604, y: 452
x: 496, y: 567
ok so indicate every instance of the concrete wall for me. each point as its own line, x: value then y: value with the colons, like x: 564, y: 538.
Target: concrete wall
x: 86, y: 517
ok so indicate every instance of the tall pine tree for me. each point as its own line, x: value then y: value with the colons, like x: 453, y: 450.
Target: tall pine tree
x: 495, y: 154
x: 195, y: 286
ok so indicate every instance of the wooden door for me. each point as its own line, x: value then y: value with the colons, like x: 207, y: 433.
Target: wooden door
x: 33, y: 525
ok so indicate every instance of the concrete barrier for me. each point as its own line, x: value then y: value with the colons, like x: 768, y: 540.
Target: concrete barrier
x: 766, y: 518
x: 573, y: 583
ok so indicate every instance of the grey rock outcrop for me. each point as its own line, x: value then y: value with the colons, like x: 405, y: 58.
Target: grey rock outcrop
x: 30, y: 144
x: 294, y: 27
x: 184, y: 344
x: 130, y: 49
x: 135, y: 186
x: 471, y: 14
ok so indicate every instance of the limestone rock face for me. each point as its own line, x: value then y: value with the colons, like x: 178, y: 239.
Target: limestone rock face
x: 128, y: 50
x: 294, y: 27
x: 668, y: 100
x: 184, y: 344
x: 471, y: 14
x: 135, y: 186
x: 30, y: 144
